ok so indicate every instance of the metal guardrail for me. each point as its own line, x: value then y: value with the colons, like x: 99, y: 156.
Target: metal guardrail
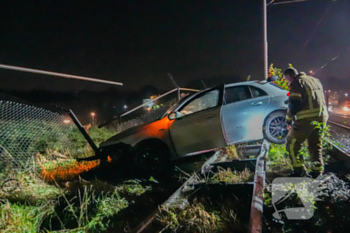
x: 257, y: 205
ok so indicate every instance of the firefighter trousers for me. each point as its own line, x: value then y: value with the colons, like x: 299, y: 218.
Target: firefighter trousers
x: 300, y: 131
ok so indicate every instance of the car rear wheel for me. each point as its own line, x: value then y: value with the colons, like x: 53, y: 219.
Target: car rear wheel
x: 276, y: 128
x: 151, y: 159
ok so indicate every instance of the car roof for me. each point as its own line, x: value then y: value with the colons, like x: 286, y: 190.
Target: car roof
x: 246, y: 82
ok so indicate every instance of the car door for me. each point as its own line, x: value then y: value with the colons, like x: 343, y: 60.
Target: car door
x: 199, y: 127
x: 243, y: 113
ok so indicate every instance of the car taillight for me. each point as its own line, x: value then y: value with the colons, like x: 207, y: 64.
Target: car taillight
x: 288, y: 94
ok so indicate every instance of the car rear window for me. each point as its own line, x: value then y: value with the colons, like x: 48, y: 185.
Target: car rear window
x: 257, y: 92
x: 235, y: 94
x: 277, y: 86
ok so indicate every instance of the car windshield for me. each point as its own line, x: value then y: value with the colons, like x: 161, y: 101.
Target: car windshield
x: 176, y: 105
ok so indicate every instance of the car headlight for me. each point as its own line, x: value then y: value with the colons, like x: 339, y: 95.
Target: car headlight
x: 346, y: 108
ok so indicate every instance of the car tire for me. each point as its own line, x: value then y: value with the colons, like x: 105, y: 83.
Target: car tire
x: 276, y: 128
x: 151, y: 159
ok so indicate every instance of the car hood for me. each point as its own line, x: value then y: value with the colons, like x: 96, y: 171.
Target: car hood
x: 125, y: 133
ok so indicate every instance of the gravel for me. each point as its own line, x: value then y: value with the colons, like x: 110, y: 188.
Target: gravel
x: 330, y: 214
x: 341, y: 136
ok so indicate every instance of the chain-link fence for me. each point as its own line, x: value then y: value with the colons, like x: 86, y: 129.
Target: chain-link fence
x: 27, y: 131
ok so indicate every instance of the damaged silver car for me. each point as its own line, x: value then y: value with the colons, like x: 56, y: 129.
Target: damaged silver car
x: 207, y: 120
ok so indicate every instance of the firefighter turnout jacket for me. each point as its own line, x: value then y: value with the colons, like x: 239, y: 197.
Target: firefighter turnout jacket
x: 306, y: 99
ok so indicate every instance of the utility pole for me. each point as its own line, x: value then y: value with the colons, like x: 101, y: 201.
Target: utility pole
x: 265, y: 40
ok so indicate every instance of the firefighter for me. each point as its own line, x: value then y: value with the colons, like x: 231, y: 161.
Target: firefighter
x: 306, y: 104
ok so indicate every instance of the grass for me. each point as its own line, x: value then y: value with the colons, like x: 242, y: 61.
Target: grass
x: 231, y: 152
x: 231, y: 177
x: 90, y: 213
x: 37, y: 207
x: 39, y: 204
x: 40, y: 207
x: 133, y: 187
x: 89, y: 210
x: 107, y: 207
x: 33, y: 190
x: 192, y: 218
x: 277, y: 159
x: 22, y: 218
x: 78, y: 144
x: 25, y: 209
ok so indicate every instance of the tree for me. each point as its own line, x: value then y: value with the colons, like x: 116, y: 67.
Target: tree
x: 273, y: 71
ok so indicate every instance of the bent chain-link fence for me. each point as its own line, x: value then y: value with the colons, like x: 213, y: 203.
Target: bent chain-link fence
x: 27, y: 131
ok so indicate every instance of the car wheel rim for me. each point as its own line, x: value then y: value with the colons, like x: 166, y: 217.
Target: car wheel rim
x: 278, y: 128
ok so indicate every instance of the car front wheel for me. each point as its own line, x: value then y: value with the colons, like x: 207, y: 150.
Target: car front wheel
x: 151, y: 159
x: 276, y: 128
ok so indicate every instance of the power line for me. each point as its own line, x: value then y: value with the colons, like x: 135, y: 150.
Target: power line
x: 268, y: 4
x: 318, y: 23
x: 333, y: 59
x: 285, y: 2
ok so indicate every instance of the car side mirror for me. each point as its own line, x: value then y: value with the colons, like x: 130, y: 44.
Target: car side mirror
x: 174, y: 115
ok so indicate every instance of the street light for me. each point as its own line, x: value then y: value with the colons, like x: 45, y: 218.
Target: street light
x: 311, y: 72
x: 346, y: 94
x: 93, y: 117
x: 125, y: 107
x: 66, y: 121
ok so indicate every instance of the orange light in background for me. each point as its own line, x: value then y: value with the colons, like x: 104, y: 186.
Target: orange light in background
x: 66, y: 121
x: 93, y: 114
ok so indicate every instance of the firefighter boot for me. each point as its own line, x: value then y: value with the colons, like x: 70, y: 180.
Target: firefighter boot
x: 315, y: 174
x: 299, y: 172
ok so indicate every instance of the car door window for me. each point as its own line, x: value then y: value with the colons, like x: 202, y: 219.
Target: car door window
x: 206, y: 101
x: 257, y: 92
x: 235, y: 94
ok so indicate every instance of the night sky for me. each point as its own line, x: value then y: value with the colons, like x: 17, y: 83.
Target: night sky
x: 139, y: 42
